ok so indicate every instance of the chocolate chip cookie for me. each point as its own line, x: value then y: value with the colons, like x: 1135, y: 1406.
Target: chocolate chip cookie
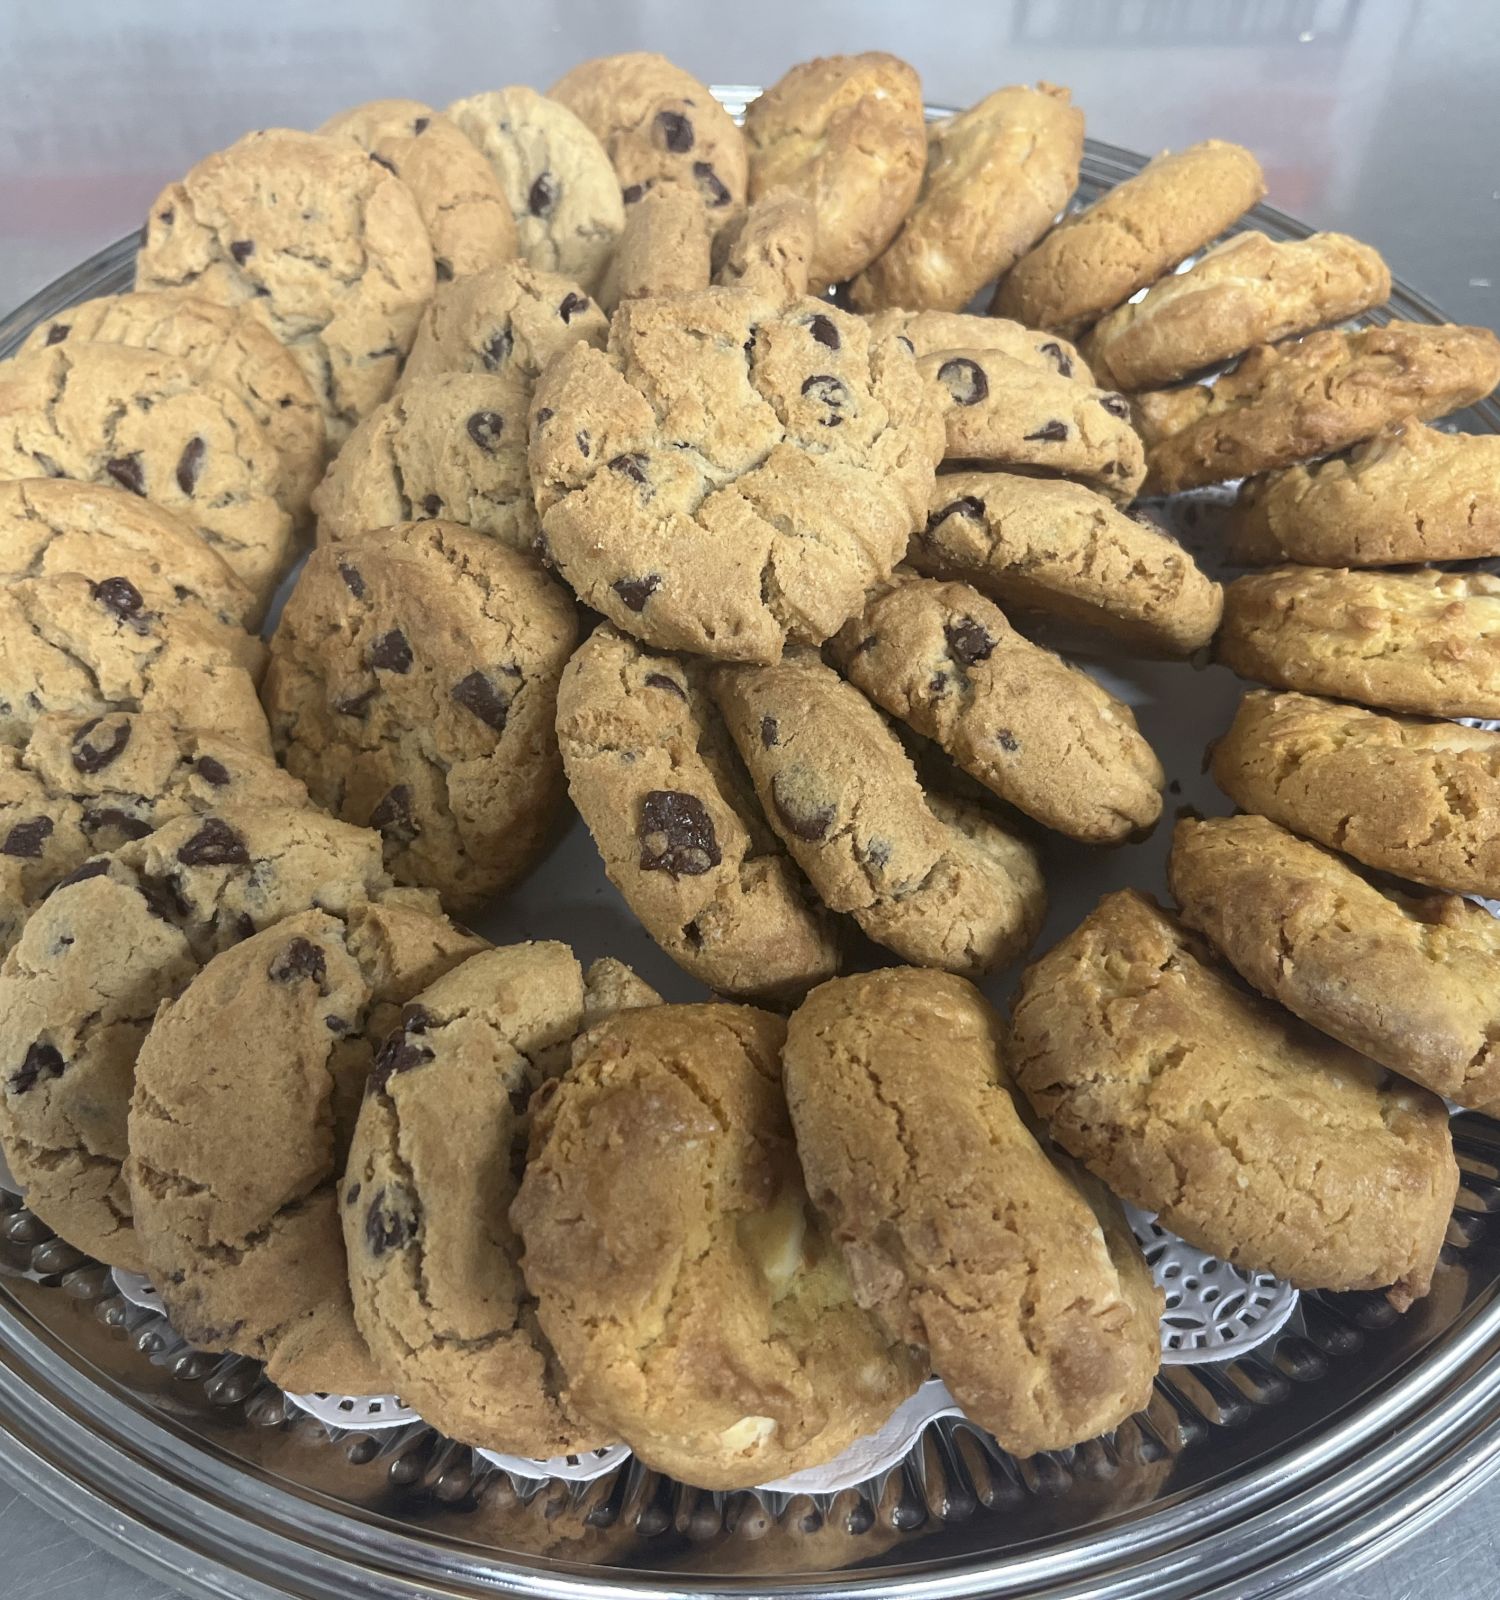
x: 661, y: 128
x: 941, y: 883
x: 653, y: 773
x: 1410, y: 494
x: 1423, y: 641
x: 238, y: 1134
x: 1411, y: 981
x: 1252, y: 1136
x: 556, y: 177
x: 960, y: 1233
x: 83, y: 785
x: 1097, y: 258
x: 1046, y: 545
x: 325, y: 245
x: 732, y: 472
x: 227, y: 345
x: 466, y: 212
x: 1249, y: 290
x: 1420, y: 799
x: 151, y: 424
x: 452, y: 445
x: 927, y: 332
x: 845, y: 133
x: 412, y: 687
x: 1286, y: 403
x: 113, y: 940
x: 708, y: 1321
x: 1037, y: 732
x: 769, y: 249
x: 997, y: 174
x: 665, y: 249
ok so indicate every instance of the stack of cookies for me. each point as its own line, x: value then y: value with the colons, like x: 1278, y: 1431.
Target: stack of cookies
x: 671, y: 466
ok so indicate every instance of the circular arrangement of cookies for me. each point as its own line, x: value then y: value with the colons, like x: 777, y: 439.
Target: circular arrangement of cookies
x: 767, y: 496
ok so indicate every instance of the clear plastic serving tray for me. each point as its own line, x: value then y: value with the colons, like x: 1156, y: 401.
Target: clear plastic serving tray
x: 1288, y: 1437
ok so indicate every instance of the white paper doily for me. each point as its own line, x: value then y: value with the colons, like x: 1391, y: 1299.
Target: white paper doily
x: 573, y: 1469
x: 369, y: 1413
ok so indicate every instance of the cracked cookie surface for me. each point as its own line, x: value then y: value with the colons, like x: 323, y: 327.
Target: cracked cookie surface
x: 1411, y: 981
x: 959, y: 1232
x: 670, y: 808
x: 413, y: 688
x: 732, y: 472
x: 1420, y: 799
x: 708, y: 1318
x: 769, y: 249
x: 1249, y: 1134
x: 941, y: 883
x: 666, y: 249
x: 926, y: 332
x: 325, y: 245
x: 1037, y: 732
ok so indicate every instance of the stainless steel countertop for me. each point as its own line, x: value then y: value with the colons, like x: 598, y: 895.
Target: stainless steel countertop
x: 1377, y: 117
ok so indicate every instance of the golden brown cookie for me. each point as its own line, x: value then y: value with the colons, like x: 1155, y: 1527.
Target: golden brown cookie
x: 927, y: 332
x: 770, y: 248
x: 665, y: 249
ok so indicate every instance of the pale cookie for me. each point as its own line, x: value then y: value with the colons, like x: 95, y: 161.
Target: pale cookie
x: 1097, y: 258
x: 511, y: 320
x: 661, y: 128
x: 1411, y: 981
x: 111, y: 942
x: 412, y: 687
x: 1420, y: 799
x: 558, y: 181
x: 653, y: 773
x: 940, y: 883
x: 324, y: 245
x: 452, y: 445
x: 463, y: 207
x: 996, y: 176
x: 1410, y: 494
x: 83, y: 785
x: 697, y: 1304
x: 769, y: 249
x: 1427, y: 641
x: 1286, y: 403
x: 1249, y: 290
x: 237, y: 1140
x: 959, y: 1231
x: 154, y: 425
x: 72, y: 646
x: 733, y: 472
x: 1040, y: 544
x: 926, y: 332
x: 227, y: 345
x: 847, y: 134
x: 1251, y: 1136
x: 1040, y: 734
x: 665, y: 249
x: 434, y: 1265
x: 1013, y: 413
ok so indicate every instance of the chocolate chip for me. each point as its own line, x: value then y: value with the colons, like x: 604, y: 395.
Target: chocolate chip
x: 676, y: 835
x: 1008, y: 740
x: 1058, y: 357
x: 902, y: 339
x: 633, y: 193
x: 693, y: 934
x: 27, y: 839
x: 874, y: 852
x: 352, y: 1195
x: 167, y: 215
x: 964, y: 380
x: 938, y: 683
x: 967, y: 506
x: 96, y: 820
x: 415, y: 1018
x: 392, y: 815
x: 495, y: 351
x: 630, y: 466
x: 443, y: 271
x: 1115, y: 404
x: 968, y: 642
x: 163, y: 898
x: 572, y: 304
x: 120, y: 596
x: 829, y: 391
x: 300, y: 959
x: 823, y: 330
x: 90, y: 869
x: 354, y: 705
x: 215, y: 844
x: 379, y: 160
x: 545, y: 414
x: 189, y: 464
x: 811, y: 825
x: 635, y: 592
x: 675, y: 130
x: 212, y: 771
x: 542, y: 196
x: 128, y: 472
x: 1050, y: 433
x: 869, y: 642
x: 387, y: 1228
x: 432, y: 504
x: 582, y: 438
x: 353, y: 581
x: 41, y: 1061
x: 90, y: 757
x: 770, y: 733
x: 485, y: 428
x: 477, y: 693
x: 242, y: 250
x: 420, y: 125
x: 390, y: 652
x: 58, y: 332
x: 659, y: 680
x: 711, y: 184
x: 399, y: 1053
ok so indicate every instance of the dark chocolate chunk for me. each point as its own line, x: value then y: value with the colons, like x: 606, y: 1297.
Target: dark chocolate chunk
x: 241, y: 250
x: 964, y: 380
x: 659, y: 680
x: 432, y: 504
x: 711, y: 184
x: 352, y: 1195
x: 190, y: 464
x: 675, y: 131
x: 633, y: 193
x: 823, y: 330
x: 399, y: 1053
x: 810, y: 824
x: 630, y: 466
x: 485, y: 428
x: 542, y: 195
x: 379, y: 160
x: 477, y: 693
x: 1058, y: 357
x: 676, y: 834
x: 41, y: 1061
x: 215, y: 844
x: 495, y: 351
x: 128, y: 472
x: 582, y: 436
x: 212, y: 771
x: 27, y: 839
x: 1116, y: 404
x: 1008, y: 740
x: 390, y: 1223
x: 300, y: 959
x: 968, y: 642
x: 635, y: 592
x: 89, y: 869
x: 1050, y: 432
x: 545, y: 414
x: 828, y: 391
x: 354, y: 705
x: 353, y: 581
x: 58, y: 332
x: 770, y: 733
x: 97, y: 819
x: 390, y: 652
x: 420, y: 125
x: 120, y: 596
x: 967, y: 506
x: 874, y: 852
x: 392, y: 815
x: 572, y: 304
x: 693, y: 934
x: 163, y: 898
